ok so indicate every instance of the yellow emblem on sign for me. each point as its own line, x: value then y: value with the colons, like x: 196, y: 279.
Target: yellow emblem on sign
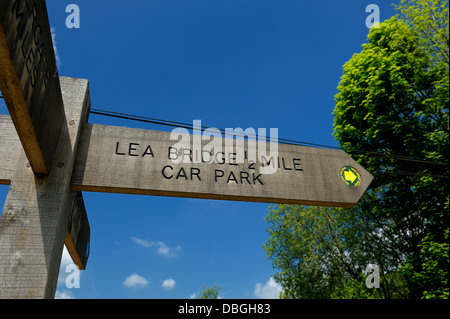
x: 350, y: 176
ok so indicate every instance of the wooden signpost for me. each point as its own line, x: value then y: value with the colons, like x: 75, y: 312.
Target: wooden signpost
x: 29, y: 79
x: 49, y: 155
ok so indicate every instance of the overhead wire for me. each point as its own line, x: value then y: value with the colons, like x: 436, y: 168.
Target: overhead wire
x: 405, y: 173
x: 201, y: 127
x: 187, y: 126
x: 282, y: 140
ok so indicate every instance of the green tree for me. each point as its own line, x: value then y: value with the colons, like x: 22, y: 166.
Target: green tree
x: 394, y: 99
x: 323, y: 253
x: 430, y: 20
x: 210, y: 292
x: 391, y: 115
x: 434, y: 262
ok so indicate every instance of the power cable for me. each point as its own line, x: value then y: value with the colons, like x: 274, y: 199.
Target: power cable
x: 405, y: 173
x: 176, y: 124
x: 202, y: 127
x: 282, y: 140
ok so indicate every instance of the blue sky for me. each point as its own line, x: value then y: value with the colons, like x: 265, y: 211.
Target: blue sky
x: 235, y: 63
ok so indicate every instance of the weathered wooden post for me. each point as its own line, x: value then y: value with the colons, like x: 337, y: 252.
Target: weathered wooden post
x: 35, y: 216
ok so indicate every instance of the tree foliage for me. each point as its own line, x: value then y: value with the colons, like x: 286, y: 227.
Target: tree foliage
x: 211, y: 292
x: 391, y: 115
x: 323, y: 253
